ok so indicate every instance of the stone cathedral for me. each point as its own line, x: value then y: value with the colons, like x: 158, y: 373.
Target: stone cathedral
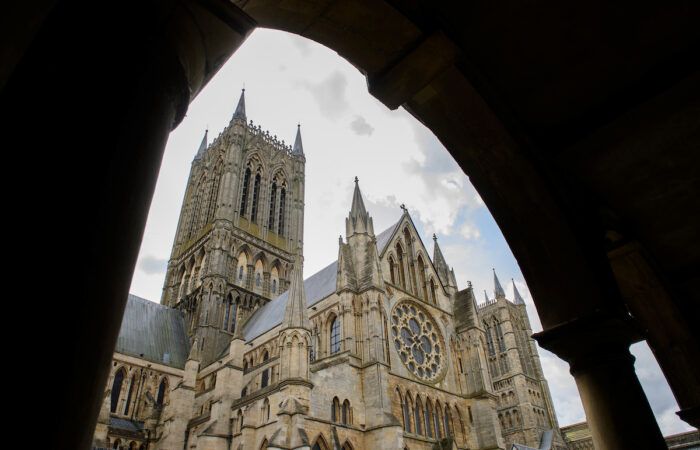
x: 379, y: 350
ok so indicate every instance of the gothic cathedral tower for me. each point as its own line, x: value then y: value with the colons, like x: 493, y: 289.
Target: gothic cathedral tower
x: 239, y: 230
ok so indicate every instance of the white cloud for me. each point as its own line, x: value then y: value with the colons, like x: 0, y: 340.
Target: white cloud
x: 469, y: 231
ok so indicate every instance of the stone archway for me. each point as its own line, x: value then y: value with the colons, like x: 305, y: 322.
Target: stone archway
x: 543, y: 136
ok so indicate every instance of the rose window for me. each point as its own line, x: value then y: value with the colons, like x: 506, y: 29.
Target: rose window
x: 417, y: 340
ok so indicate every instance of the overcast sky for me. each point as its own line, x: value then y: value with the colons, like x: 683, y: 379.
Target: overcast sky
x: 347, y: 133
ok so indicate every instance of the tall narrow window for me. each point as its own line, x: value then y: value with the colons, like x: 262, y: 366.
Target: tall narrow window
x: 335, y: 409
x: 402, y: 271
x: 489, y: 340
x: 436, y: 421
x: 214, y: 193
x: 433, y: 298
x: 273, y: 199
x: 407, y: 413
x: 128, y: 396
x: 428, y: 415
x: 447, y: 417
x: 161, y: 392
x: 234, y: 309
x: 335, y: 336
x: 499, y: 335
x: 116, y: 390
x: 280, y: 219
x: 227, y: 314
x: 265, y: 380
x: 256, y: 194
x: 244, y: 193
x: 392, y: 269
x: 345, y: 415
x: 421, y: 275
x: 418, y: 410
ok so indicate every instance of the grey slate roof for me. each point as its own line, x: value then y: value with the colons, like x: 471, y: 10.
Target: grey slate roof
x: 153, y: 332
x: 384, y: 237
x: 126, y: 425
x: 318, y: 286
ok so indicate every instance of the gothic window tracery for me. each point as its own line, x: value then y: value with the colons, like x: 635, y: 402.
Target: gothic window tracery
x: 160, y: 397
x: 417, y: 340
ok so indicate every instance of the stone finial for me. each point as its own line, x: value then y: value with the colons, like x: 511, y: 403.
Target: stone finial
x: 240, y: 108
x: 497, y: 288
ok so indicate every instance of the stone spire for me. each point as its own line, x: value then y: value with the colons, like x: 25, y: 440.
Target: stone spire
x: 298, y: 148
x: 440, y: 263
x: 486, y: 296
x: 358, y: 220
x: 240, y: 109
x: 202, y: 146
x: 518, y: 299
x: 295, y: 314
x: 497, y: 288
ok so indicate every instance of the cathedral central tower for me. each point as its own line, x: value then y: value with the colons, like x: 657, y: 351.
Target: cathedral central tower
x: 239, y: 229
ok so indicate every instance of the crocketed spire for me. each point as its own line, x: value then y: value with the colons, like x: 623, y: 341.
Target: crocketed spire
x: 358, y: 220
x: 298, y: 148
x: 202, y: 146
x: 240, y: 108
x: 497, y: 288
x: 518, y: 299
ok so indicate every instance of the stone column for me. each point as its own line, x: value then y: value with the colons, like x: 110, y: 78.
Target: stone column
x: 597, y: 350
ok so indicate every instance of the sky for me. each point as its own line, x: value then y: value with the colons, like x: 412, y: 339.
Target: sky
x: 346, y: 133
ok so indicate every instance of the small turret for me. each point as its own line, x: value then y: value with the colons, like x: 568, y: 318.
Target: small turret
x: 298, y: 148
x: 497, y: 288
x: 518, y: 299
x: 358, y: 220
x: 202, y: 147
x: 239, y: 114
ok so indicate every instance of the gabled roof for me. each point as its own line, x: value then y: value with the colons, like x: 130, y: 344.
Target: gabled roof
x: 153, y: 332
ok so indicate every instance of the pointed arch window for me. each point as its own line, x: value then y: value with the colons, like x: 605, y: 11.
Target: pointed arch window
x: 244, y: 193
x: 447, y: 418
x: 335, y: 410
x: 265, y: 377
x: 273, y: 200
x: 345, y: 413
x: 335, y: 336
x: 402, y: 270
x: 433, y: 298
x: 436, y: 421
x: 421, y: 275
x: 256, y: 195
x: 230, y: 308
x: 392, y: 270
x: 418, y: 410
x: 428, y: 415
x: 116, y: 389
x: 280, y: 219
